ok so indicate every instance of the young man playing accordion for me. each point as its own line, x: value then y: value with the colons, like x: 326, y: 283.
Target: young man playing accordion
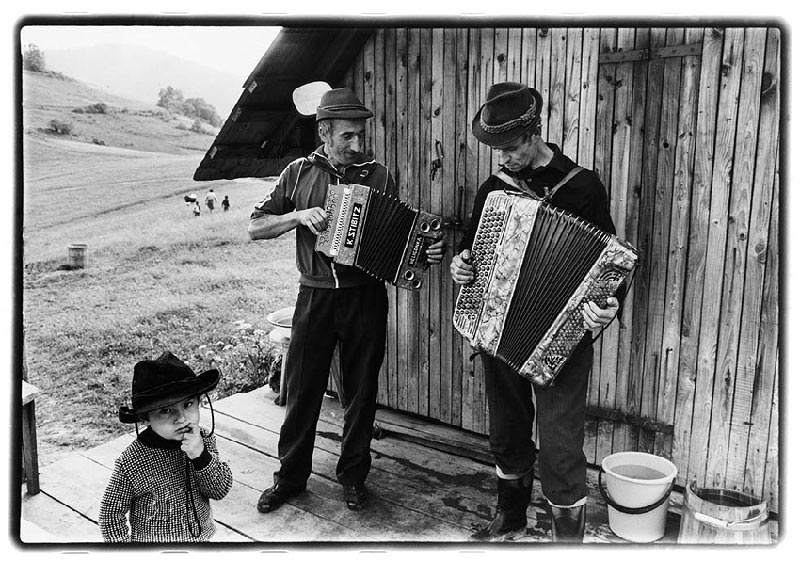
x: 510, y: 122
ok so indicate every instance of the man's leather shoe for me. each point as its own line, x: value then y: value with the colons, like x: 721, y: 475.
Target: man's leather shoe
x: 273, y: 498
x: 355, y: 496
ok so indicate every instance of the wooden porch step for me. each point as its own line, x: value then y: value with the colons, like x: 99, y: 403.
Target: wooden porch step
x: 408, y: 482
x: 46, y: 520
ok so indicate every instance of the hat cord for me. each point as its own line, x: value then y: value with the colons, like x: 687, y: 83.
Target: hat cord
x: 190, y: 502
x: 523, y: 120
x: 210, y: 407
x: 189, y: 492
x: 157, y: 391
x: 343, y: 106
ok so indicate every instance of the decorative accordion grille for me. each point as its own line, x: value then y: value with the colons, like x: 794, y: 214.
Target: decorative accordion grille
x: 338, y: 231
x: 469, y: 303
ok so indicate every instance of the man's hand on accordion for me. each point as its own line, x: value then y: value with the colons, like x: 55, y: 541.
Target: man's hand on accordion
x: 314, y: 218
x: 435, y: 252
x: 461, y: 269
x: 596, y: 318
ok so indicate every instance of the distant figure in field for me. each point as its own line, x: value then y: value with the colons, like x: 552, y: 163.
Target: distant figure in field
x: 211, y: 200
x: 191, y: 198
x: 226, y: 204
x: 160, y: 487
x: 196, y: 208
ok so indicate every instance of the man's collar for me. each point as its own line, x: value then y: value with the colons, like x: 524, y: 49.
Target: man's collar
x: 559, y: 161
x: 319, y: 156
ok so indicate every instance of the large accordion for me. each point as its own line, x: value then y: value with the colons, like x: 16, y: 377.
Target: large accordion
x: 379, y: 234
x: 535, y: 266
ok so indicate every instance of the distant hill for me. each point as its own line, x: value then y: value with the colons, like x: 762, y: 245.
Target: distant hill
x: 140, y: 73
x: 100, y: 117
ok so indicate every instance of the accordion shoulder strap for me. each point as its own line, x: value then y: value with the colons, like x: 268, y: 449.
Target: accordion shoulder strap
x: 549, y: 192
x: 513, y: 182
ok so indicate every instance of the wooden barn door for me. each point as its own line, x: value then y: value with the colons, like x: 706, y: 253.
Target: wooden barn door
x: 422, y: 85
x: 687, y: 142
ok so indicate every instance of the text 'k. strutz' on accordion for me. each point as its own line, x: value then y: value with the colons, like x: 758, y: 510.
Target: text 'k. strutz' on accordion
x: 535, y: 266
x: 380, y: 234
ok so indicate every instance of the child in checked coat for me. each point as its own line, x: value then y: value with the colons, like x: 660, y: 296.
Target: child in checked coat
x: 161, y: 484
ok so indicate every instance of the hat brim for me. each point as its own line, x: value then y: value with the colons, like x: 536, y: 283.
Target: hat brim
x: 201, y: 384
x: 127, y: 415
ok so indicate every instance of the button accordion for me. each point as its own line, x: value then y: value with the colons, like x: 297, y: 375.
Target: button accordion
x: 379, y: 234
x: 535, y: 266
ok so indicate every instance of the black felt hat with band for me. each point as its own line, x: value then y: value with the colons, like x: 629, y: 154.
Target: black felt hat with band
x: 341, y: 103
x: 164, y: 381
x: 511, y: 109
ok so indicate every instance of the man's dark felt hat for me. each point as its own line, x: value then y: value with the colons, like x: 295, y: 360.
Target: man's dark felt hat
x: 164, y: 381
x: 511, y: 109
x: 341, y: 103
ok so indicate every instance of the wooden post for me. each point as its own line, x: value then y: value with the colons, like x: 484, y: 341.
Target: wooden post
x: 30, y: 452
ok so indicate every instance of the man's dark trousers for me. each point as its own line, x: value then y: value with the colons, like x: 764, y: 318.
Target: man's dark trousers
x: 560, y: 412
x: 356, y: 318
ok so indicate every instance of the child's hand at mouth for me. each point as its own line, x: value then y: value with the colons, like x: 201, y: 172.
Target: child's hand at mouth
x: 192, y: 443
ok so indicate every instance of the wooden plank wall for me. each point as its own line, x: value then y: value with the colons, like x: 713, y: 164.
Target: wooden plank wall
x: 688, y: 147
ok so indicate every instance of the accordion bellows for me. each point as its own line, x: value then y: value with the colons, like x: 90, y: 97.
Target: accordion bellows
x: 381, y: 235
x: 535, y: 266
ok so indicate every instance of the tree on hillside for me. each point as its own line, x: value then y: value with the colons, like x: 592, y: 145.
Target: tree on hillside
x: 172, y: 100
x: 201, y: 109
x: 33, y: 58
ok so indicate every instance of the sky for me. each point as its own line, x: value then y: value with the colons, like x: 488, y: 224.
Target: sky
x: 233, y: 49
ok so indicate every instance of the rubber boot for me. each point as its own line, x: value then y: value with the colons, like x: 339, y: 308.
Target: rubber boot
x: 568, y: 523
x: 510, y: 519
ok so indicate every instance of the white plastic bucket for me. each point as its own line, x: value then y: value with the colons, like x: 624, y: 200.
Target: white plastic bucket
x: 281, y: 318
x: 281, y: 335
x: 638, y: 489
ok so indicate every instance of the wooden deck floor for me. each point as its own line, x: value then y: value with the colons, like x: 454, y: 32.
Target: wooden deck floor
x: 423, y: 490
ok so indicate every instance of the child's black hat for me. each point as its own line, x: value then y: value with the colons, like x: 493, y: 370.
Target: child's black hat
x: 162, y: 382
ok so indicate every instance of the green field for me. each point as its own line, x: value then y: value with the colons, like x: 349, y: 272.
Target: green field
x: 156, y: 278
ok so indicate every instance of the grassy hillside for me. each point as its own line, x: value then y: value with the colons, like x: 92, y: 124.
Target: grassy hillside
x: 125, y: 123
x: 157, y: 278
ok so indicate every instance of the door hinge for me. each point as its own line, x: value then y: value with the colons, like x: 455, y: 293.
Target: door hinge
x: 693, y: 49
